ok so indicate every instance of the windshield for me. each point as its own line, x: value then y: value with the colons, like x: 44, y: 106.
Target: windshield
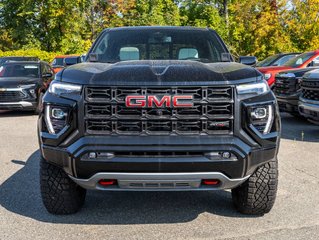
x: 301, y: 59
x: 58, y: 62
x: 20, y: 70
x: 158, y: 44
x: 266, y: 62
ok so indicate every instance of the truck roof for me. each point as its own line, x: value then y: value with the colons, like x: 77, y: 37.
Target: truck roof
x: 157, y: 27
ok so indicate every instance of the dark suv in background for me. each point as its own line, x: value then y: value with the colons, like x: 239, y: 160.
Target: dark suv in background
x: 23, y: 84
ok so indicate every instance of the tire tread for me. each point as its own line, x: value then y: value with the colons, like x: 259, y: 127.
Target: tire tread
x: 257, y: 195
x: 60, y: 195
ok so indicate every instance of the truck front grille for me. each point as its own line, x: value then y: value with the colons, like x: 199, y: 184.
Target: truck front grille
x: 11, y: 96
x: 106, y: 112
x: 285, y: 86
x: 310, y: 89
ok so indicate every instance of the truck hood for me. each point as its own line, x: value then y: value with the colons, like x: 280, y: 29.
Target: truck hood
x: 314, y: 74
x: 159, y: 73
x: 299, y: 72
x: 13, y: 82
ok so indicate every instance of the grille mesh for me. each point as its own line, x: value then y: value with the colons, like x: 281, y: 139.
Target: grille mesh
x: 286, y: 86
x: 10, y: 96
x: 310, y: 90
x: 106, y: 112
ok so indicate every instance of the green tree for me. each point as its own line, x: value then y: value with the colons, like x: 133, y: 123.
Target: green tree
x: 46, y: 24
x: 303, y: 24
x: 203, y: 13
x: 257, y: 27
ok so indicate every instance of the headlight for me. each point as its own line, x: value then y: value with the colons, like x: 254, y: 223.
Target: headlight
x: 261, y: 117
x: 267, y: 76
x: 255, y: 88
x: 56, y: 118
x: 29, y: 89
x: 60, y: 88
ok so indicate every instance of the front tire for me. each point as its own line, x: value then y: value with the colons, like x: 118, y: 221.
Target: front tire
x: 60, y: 195
x: 257, y: 195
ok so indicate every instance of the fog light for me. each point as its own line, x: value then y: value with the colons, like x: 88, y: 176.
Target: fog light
x: 226, y: 155
x: 58, y: 113
x: 210, y: 182
x: 107, y: 182
x: 107, y: 155
x: 259, y: 113
x: 92, y: 155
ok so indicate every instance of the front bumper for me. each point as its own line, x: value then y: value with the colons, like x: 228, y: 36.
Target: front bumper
x: 70, y: 147
x: 74, y: 161
x: 288, y: 104
x: 309, y: 109
x: 19, y: 105
x: 159, y: 181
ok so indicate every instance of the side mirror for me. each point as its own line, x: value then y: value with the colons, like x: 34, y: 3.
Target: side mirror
x: 248, y: 60
x: 226, y: 57
x: 47, y: 75
x: 93, y: 57
x: 71, y: 61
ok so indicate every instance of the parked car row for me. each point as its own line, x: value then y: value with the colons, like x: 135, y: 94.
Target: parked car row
x: 305, y: 60
x: 62, y: 61
x: 296, y: 84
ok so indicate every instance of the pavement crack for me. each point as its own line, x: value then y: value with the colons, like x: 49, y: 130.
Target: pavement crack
x: 308, y: 174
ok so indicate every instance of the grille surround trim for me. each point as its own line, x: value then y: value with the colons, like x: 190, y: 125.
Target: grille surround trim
x: 213, y: 109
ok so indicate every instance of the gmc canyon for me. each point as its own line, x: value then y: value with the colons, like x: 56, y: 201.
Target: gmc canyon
x: 288, y: 89
x: 159, y: 109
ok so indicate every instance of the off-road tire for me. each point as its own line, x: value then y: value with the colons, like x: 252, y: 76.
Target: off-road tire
x: 256, y: 196
x: 60, y: 195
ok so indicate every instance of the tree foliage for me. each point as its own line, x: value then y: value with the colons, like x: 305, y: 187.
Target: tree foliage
x: 250, y: 27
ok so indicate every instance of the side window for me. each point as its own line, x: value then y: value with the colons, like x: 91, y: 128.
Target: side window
x: 316, y: 62
x: 102, y: 46
x: 283, y: 60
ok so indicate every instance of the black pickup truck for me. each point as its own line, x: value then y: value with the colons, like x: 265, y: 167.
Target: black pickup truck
x: 288, y: 89
x: 159, y: 109
x: 309, y: 99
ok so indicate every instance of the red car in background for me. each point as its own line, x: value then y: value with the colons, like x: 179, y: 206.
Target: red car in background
x: 304, y: 60
x: 58, y: 62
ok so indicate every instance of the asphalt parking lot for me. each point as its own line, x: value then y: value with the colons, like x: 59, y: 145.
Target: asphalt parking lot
x: 151, y: 215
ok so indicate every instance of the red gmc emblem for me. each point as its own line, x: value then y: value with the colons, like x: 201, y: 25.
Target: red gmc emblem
x: 141, y: 101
